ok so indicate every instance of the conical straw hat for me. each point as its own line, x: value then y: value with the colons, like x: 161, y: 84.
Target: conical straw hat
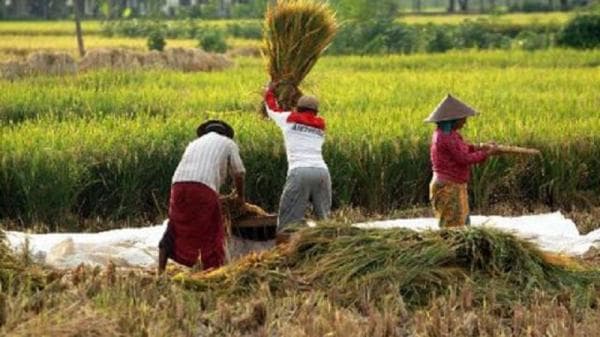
x: 450, y: 108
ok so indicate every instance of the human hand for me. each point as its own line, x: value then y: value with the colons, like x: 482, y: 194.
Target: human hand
x: 240, y: 201
x: 491, y: 148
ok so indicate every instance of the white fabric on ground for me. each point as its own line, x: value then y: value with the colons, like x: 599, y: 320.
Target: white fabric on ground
x: 136, y: 247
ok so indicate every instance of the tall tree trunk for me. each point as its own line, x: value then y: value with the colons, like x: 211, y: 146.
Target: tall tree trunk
x: 564, y: 5
x: 451, y: 6
x: 481, y: 6
x: 463, y: 4
x: 111, y: 9
x: 20, y: 8
x: 225, y: 8
x: 417, y: 6
x: 79, y: 4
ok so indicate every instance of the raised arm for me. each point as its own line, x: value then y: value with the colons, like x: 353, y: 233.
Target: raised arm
x: 273, y: 109
x: 464, y: 153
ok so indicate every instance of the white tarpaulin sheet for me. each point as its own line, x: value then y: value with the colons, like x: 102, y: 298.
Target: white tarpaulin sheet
x: 137, y: 247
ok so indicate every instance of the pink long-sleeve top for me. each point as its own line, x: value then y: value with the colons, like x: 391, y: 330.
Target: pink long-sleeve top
x: 452, y: 157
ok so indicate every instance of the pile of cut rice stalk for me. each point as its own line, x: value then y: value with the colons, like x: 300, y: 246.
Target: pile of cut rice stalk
x: 347, y: 262
x: 15, y: 269
x: 296, y: 33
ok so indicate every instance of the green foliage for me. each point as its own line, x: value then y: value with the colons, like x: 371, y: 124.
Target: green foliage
x: 582, y: 32
x: 212, y: 40
x: 156, y: 40
x: 364, y: 10
x: 249, y: 9
x: 529, y: 40
x: 388, y: 37
x: 374, y: 37
x: 530, y: 7
x: 439, y: 39
x: 246, y: 30
x: 475, y: 34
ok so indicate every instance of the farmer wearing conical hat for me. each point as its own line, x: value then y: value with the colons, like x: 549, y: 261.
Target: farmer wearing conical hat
x: 451, y: 159
x: 308, y: 179
x: 195, y: 224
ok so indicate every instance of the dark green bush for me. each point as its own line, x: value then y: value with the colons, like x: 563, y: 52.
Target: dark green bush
x: 156, y: 40
x: 375, y: 37
x: 249, y: 9
x: 581, y: 32
x: 438, y: 39
x: 531, y: 7
x: 247, y: 30
x: 477, y: 34
x: 212, y: 40
x: 402, y: 38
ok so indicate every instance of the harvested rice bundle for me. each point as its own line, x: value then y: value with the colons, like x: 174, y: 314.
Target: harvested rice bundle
x: 181, y: 59
x: 233, y: 212
x: 9, y: 264
x: 417, y: 266
x: 296, y: 33
x: 14, y: 269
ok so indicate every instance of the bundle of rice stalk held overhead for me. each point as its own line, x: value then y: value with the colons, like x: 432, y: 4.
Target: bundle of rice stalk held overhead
x: 296, y: 33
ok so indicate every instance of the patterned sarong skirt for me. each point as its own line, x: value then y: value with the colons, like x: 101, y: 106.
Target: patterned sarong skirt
x: 450, y: 203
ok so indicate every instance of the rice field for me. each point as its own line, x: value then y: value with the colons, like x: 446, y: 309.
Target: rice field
x: 104, y: 144
x: 100, y: 148
x: 519, y: 19
x: 15, y: 46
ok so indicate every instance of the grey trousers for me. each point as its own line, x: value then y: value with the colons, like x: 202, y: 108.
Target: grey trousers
x: 304, y: 185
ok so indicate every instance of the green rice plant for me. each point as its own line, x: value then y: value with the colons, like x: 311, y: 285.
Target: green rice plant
x: 105, y: 144
x: 296, y: 33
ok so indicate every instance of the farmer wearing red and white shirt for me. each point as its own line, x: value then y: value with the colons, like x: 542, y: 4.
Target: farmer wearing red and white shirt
x: 308, y: 179
x: 195, y: 224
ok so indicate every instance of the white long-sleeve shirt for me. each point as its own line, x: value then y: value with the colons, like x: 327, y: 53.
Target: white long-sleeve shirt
x: 303, y: 134
x: 206, y: 160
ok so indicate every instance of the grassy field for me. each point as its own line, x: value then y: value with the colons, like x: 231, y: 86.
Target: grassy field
x: 512, y: 18
x: 105, y: 144
x: 14, y: 46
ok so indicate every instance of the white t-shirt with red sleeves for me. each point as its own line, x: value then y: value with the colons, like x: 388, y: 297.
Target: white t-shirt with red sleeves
x: 303, y: 134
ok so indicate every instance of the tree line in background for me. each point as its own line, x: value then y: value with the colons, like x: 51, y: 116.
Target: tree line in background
x: 354, y: 9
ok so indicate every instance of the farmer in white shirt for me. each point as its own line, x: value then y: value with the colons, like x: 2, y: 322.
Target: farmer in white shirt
x: 308, y: 179
x: 195, y: 223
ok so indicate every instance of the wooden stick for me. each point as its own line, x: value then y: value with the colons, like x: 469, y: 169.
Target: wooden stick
x: 509, y: 149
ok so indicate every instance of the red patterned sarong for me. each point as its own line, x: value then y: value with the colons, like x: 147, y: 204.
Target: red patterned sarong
x: 195, y: 226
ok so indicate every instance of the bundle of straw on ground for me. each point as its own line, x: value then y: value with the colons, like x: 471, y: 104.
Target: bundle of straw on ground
x: 348, y: 261
x: 39, y: 63
x: 18, y: 271
x: 296, y: 33
x: 180, y: 59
